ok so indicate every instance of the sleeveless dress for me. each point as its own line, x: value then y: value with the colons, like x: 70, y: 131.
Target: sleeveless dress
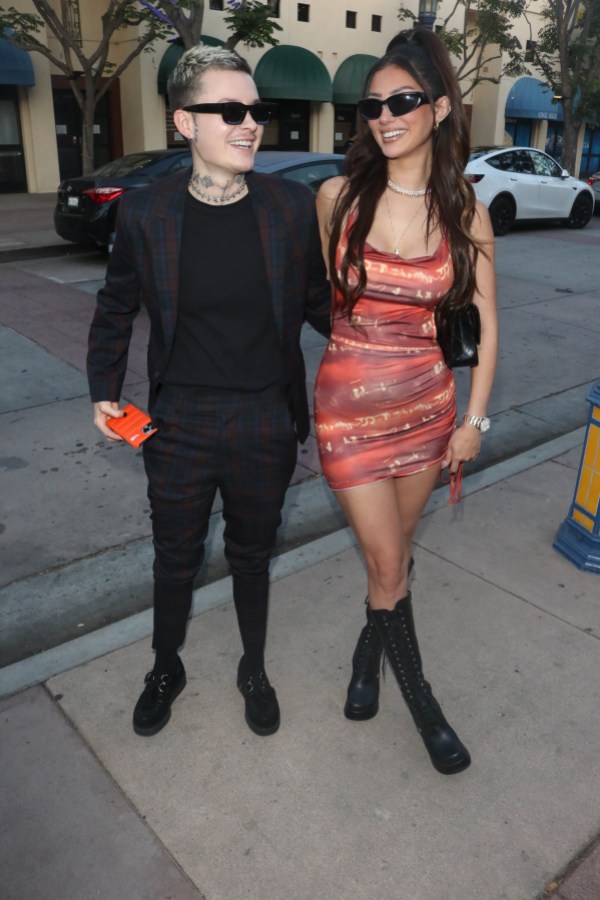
x: 385, y: 401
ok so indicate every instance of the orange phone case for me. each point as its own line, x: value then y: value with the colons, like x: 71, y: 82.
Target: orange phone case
x: 135, y: 426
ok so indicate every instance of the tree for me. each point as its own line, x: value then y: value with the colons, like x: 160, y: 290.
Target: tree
x: 93, y: 69
x: 250, y: 20
x: 567, y: 55
x: 485, y: 36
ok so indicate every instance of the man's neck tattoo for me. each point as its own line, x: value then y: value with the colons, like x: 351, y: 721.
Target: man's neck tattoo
x: 198, y: 182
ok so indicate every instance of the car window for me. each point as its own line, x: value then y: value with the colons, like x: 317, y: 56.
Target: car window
x: 181, y: 162
x: 125, y: 165
x: 518, y: 161
x: 314, y: 174
x: 544, y: 165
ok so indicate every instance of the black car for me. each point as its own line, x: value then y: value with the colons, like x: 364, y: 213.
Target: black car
x: 87, y: 205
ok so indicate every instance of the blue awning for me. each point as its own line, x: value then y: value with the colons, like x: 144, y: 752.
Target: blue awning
x: 532, y: 99
x: 15, y: 65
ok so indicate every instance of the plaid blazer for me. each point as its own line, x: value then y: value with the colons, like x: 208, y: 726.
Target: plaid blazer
x: 144, y: 268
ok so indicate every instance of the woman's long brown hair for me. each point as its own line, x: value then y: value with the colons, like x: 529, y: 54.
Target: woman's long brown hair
x: 451, y: 203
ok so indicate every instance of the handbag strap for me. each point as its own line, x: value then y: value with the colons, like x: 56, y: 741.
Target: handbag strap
x: 454, y: 479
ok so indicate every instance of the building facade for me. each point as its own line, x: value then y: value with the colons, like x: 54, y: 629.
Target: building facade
x: 315, y: 73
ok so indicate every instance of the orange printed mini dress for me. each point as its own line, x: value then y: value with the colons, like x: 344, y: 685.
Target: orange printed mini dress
x: 385, y: 401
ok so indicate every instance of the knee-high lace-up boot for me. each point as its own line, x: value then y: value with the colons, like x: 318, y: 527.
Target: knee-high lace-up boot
x: 397, y: 633
x: 362, y: 701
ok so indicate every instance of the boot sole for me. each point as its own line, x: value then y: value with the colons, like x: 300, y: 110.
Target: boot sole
x: 360, y: 715
x: 260, y: 730
x: 452, y: 770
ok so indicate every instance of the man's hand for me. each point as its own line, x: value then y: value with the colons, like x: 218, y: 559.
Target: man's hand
x: 103, y: 411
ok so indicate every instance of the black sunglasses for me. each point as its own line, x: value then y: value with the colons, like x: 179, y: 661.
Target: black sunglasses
x: 234, y: 113
x: 398, y: 104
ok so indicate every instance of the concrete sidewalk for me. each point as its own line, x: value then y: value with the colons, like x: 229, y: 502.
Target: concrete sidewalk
x: 328, y: 808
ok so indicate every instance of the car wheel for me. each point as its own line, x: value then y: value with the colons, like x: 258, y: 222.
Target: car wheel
x: 502, y: 214
x: 581, y: 212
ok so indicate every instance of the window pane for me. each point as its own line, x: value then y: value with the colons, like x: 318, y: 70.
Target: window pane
x: 350, y: 19
x: 375, y: 23
x: 303, y: 12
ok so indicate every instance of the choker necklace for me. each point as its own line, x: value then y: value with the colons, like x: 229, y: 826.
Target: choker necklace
x: 196, y: 179
x: 407, y: 192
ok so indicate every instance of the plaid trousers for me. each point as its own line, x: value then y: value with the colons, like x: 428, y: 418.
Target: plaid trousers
x: 242, y: 444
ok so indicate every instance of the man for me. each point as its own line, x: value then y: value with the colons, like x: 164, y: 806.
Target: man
x: 228, y: 264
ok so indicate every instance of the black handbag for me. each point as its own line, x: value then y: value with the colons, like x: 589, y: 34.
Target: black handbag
x: 459, y: 337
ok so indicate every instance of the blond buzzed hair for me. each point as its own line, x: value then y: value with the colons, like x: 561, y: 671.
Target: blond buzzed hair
x: 185, y: 81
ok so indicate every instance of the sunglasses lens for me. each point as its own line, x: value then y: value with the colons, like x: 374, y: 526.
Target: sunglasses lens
x: 400, y: 104
x: 370, y: 108
x: 261, y: 113
x: 233, y: 113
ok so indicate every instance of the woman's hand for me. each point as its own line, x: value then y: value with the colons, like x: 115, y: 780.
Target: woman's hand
x: 464, y: 445
x: 103, y: 411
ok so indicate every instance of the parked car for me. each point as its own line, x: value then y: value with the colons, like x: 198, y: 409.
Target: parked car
x: 86, y: 207
x: 594, y: 183
x: 520, y: 183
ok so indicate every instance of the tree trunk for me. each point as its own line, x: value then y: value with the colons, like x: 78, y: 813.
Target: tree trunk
x: 570, y: 135
x: 87, y: 130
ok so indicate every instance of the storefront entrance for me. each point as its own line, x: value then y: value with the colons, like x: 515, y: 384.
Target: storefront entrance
x: 13, y: 178
x: 67, y: 116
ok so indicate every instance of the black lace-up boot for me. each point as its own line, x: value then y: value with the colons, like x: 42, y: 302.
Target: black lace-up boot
x: 362, y: 701
x: 397, y: 634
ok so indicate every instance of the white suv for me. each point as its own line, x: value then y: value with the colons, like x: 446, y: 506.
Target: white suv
x: 517, y: 183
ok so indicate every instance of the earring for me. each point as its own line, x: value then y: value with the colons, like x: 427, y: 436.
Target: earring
x: 436, y: 126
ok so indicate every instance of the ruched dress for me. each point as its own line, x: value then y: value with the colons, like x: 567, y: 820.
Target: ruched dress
x: 385, y: 401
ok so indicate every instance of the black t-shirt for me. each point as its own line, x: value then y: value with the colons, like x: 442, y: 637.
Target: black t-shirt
x: 225, y: 335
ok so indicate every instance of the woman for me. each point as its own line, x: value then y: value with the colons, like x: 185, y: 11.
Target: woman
x: 403, y: 234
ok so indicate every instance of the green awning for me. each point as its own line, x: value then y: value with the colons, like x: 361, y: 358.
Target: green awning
x: 171, y: 57
x: 286, y: 72
x: 15, y: 65
x: 349, y: 80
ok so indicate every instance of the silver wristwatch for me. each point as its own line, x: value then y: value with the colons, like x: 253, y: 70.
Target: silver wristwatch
x: 481, y: 423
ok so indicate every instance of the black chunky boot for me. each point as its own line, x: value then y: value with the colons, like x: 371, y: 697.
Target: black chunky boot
x: 397, y: 634
x: 362, y: 701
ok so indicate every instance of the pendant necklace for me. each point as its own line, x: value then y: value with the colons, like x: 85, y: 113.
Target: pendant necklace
x: 411, y: 220
x: 196, y: 180
x: 407, y: 192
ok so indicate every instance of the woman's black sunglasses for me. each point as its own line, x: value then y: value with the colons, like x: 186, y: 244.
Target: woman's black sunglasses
x: 234, y: 113
x: 398, y: 104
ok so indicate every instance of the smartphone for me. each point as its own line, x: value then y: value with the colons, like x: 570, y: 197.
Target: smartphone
x: 135, y: 426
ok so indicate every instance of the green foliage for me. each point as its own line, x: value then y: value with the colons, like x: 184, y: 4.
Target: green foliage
x: 483, y: 34
x: 251, y: 23
x: 567, y: 54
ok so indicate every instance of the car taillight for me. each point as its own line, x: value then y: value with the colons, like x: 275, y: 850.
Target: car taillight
x: 102, y: 194
x: 593, y: 179
x: 474, y: 178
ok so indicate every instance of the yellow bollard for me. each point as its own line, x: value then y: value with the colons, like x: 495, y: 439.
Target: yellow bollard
x: 578, y: 538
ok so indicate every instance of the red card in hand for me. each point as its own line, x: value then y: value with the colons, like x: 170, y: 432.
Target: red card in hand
x: 135, y: 426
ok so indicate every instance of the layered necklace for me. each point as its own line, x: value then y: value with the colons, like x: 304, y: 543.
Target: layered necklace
x: 197, y: 182
x: 407, y: 192
x: 397, y: 240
